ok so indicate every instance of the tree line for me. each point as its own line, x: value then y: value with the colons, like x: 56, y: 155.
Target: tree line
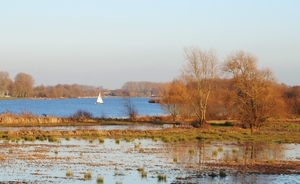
x: 234, y: 89
x: 23, y: 87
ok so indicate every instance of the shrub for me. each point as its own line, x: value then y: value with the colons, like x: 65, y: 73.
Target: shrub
x: 81, y: 115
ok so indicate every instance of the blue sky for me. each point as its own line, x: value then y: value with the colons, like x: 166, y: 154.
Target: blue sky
x: 107, y: 43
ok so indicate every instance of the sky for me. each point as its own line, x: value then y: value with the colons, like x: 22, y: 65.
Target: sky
x: 108, y: 43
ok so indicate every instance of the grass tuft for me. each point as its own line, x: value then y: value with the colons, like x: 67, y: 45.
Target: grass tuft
x: 101, y: 140
x: 161, y: 177
x: 100, y: 180
x: 69, y: 173
x: 191, y: 151
x: 87, y: 175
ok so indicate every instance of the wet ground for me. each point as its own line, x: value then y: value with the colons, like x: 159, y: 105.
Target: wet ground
x: 147, y: 161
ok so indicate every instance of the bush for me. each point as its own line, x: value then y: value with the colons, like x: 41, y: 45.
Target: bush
x: 81, y: 114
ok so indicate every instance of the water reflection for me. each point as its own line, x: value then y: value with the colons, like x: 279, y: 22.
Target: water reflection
x: 99, y: 127
x: 140, y: 161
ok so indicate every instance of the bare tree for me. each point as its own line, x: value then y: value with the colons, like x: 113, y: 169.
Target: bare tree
x: 5, y: 81
x: 23, y: 85
x: 198, y: 75
x: 130, y: 109
x: 255, y: 95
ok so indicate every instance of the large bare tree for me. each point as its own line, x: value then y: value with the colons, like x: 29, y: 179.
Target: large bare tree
x: 255, y: 95
x: 23, y: 85
x: 198, y: 75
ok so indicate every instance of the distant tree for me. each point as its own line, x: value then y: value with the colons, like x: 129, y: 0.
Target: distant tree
x: 140, y: 88
x: 23, y: 85
x: 292, y: 99
x: 40, y: 91
x: 198, y: 75
x: 5, y: 81
x: 255, y: 94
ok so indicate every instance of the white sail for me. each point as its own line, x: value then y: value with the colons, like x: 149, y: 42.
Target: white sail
x: 99, y: 99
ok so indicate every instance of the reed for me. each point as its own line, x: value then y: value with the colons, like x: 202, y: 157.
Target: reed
x: 144, y: 174
x: 162, y: 177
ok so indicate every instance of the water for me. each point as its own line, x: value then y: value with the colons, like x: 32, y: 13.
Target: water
x: 112, y: 107
x: 45, y: 162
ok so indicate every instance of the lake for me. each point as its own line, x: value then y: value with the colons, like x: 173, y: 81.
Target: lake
x: 111, y: 108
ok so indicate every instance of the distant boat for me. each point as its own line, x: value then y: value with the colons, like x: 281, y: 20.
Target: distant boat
x: 155, y: 100
x: 99, y: 99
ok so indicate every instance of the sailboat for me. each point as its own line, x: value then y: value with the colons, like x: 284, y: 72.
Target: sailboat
x: 99, y: 99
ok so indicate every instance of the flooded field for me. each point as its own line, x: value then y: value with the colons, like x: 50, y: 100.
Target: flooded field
x: 96, y: 127
x: 145, y: 161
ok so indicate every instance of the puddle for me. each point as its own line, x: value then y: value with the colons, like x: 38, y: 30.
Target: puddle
x: 118, y: 161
